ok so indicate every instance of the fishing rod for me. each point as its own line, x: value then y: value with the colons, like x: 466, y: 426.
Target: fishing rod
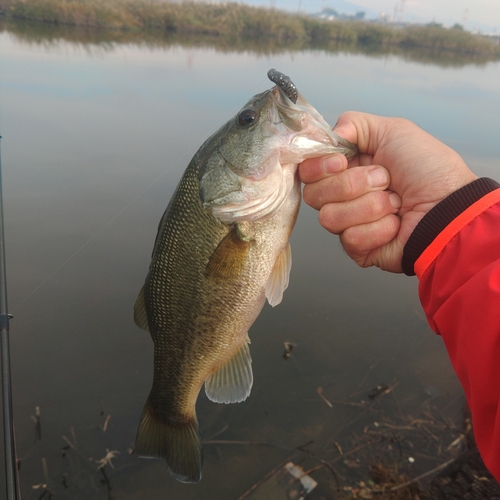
x: 11, y: 472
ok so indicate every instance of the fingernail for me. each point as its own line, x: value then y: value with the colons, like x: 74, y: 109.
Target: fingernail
x: 378, y: 177
x: 332, y: 164
x: 395, y: 200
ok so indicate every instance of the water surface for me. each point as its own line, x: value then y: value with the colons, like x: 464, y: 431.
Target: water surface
x: 95, y: 139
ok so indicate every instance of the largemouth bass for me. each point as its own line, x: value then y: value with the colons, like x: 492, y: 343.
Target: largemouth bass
x: 221, y: 250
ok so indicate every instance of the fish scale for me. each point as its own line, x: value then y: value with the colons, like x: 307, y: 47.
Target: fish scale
x: 222, y: 248
x: 181, y: 299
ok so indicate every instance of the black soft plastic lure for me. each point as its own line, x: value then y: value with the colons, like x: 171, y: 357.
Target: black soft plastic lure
x: 284, y: 83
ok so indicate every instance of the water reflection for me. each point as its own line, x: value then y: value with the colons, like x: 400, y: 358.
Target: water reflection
x: 95, y: 141
x: 49, y: 35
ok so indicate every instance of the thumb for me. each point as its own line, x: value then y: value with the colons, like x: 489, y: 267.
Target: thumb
x: 363, y: 129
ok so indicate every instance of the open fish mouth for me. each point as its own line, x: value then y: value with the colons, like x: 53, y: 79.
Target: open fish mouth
x: 298, y: 115
x: 285, y: 130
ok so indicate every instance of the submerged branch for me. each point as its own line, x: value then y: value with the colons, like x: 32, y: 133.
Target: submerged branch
x: 301, y: 448
x: 422, y: 476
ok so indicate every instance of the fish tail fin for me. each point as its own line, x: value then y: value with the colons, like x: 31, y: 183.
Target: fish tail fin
x: 178, y: 444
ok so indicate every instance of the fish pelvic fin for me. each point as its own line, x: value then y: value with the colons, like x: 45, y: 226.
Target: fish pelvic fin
x: 178, y: 444
x: 140, y: 314
x: 278, y: 280
x: 232, y: 382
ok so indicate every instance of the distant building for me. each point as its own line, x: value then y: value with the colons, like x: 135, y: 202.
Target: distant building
x: 332, y: 15
x: 384, y: 18
x: 328, y: 14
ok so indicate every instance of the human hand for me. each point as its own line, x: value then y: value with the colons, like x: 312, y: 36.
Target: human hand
x: 375, y: 201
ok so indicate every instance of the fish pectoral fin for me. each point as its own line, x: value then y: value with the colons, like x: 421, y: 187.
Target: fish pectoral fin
x: 278, y: 280
x: 140, y: 314
x: 233, y: 381
x: 229, y: 257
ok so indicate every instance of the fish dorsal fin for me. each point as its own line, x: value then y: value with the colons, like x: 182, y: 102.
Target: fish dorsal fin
x: 229, y: 257
x: 140, y: 314
x: 233, y: 381
x: 278, y: 281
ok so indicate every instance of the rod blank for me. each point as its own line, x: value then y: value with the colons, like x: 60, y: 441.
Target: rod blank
x: 12, y: 476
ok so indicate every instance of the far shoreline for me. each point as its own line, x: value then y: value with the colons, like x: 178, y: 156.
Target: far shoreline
x: 232, y: 25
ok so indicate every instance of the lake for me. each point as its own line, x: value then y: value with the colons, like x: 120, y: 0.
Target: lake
x: 95, y: 138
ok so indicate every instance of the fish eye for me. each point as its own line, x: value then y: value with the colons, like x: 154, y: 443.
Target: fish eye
x: 246, y: 117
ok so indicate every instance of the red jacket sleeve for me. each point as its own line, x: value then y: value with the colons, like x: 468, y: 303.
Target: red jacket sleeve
x: 459, y: 287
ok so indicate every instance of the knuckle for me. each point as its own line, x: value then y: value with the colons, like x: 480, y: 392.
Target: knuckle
x: 377, y: 204
x: 348, y: 184
x: 324, y: 217
x: 328, y: 219
x: 310, y: 197
x: 350, y: 243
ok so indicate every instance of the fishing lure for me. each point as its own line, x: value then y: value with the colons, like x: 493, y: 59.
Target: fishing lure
x: 284, y: 83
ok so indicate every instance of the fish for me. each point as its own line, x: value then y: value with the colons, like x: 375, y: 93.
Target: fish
x: 222, y: 249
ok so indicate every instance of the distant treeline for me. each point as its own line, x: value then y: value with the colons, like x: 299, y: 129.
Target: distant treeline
x: 236, y: 24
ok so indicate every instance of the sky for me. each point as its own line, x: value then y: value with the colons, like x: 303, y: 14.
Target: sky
x: 483, y: 15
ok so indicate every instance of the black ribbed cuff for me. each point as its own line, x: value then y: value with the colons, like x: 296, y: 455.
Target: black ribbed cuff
x: 440, y: 216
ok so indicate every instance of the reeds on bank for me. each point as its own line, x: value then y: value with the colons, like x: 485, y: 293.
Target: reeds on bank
x: 238, y: 22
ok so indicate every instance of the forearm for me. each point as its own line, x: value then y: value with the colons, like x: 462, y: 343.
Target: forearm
x: 455, y: 252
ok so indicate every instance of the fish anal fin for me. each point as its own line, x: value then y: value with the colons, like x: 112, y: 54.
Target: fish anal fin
x: 229, y: 257
x: 278, y: 280
x: 232, y: 382
x: 178, y: 444
x: 140, y: 314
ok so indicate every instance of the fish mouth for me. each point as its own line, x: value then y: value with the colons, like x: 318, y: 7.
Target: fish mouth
x: 313, y: 135
x: 289, y: 131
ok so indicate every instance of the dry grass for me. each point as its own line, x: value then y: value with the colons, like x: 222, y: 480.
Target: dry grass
x: 241, y: 23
